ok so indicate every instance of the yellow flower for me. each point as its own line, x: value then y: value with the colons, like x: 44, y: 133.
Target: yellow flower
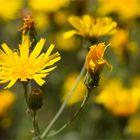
x: 47, y: 5
x: 69, y: 44
x: 95, y: 60
x: 133, y: 126
x: 79, y: 92
x: 120, y: 42
x: 119, y: 100
x: 125, y: 8
x: 7, y: 99
x: 25, y: 65
x: 88, y: 26
x: 9, y: 8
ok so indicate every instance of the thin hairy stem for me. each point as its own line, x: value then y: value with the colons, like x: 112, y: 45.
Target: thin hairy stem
x: 46, y: 131
x: 74, y: 116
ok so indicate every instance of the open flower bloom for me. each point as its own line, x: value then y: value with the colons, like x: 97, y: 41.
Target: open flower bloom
x: 119, y: 100
x: 88, y: 26
x: 125, y: 8
x: 95, y: 60
x: 25, y: 65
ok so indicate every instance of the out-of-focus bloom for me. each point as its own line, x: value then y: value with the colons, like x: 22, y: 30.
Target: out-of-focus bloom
x: 133, y: 126
x: 7, y: 99
x: 95, y: 60
x: 120, y: 42
x: 79, y: 92
x: 41, y: 20
x: 25, y: 65
x: 119, y: 100
x: 88, y: 26
x: 47, y: 5
x: 125, y: 8
x: 69, y: 44
x: 9, y: 9
x: 60, y: 18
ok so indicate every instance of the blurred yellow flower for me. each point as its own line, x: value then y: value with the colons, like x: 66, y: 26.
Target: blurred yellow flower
x: 41, y: 20
x: 88, y: 26
x: 79, y: 92
x: 47, y: 5
x: 69, y: 44
x: 95, y: 60
x: 9, y: 9
x: 121, y: 43
x: 25, y: 65
x: 7, y: 99
x: 125, y: 8
x: 133, y: 126
x: 119, y: 100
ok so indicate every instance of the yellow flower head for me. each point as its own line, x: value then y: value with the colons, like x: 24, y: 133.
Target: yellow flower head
x: 25, y: 65
x: 125, y: 8
x: 88, y: 26
x: 95, y: 60
x: 7, y: 99
x: 119, y: 100
x: 79, y: 92
x: 47, y: 5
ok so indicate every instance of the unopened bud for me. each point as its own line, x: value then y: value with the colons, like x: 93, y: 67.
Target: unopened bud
x: 35, y: 99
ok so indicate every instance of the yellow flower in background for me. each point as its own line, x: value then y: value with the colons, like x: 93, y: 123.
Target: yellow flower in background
x: 133, y: 126
x: 95, y: 60
x: 41, y: 20
x: 125, y: 8
x: 47, y: 5
x: 7, y: 99
x: 69, y: 44
x: 88, y: 26
x: 79, y: 92
x: 9, y: 9
x: 121, y: 43
x: 25, y: 65
x: 119, y: 100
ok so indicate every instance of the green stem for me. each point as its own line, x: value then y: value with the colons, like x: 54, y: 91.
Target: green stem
x: 35, y: 124
x: 27, y: 90
x: 74, y: 116
x: 25, y: 86
x: 46, y: 131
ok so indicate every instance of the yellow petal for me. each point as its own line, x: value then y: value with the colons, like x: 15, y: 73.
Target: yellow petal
x: 47, y: 70
x: 7, y: 50
x: 69, y: 34
x: 12, y: 82
x: 39, y: 81
x: 50, y: 49
x: 75, y: 22
x: 37, y: 49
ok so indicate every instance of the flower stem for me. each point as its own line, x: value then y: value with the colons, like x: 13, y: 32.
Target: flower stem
x: 74, y: 116
x: 46, y: 131
x: 27, y: 90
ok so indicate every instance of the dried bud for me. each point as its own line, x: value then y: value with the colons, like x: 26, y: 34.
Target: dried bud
x: 28, y: 25
x: 35, y: 99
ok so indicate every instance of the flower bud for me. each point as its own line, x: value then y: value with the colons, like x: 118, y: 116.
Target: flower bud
x: 35, y: 99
